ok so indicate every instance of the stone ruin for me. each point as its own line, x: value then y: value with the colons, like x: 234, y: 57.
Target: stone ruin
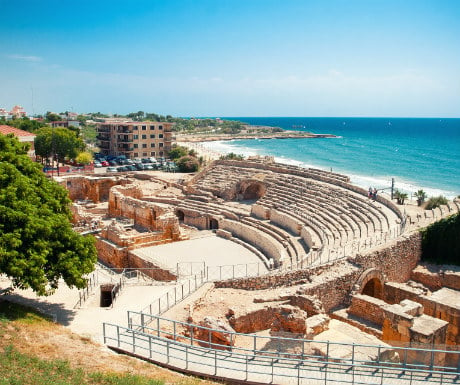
x: 289, y: 217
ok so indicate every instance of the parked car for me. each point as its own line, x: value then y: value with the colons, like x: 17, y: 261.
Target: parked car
x: 148, y: 166
x: 137, y: 160
x: 97, y: 164
x: 111, y: 169
x: 129, y: 162
x: 122, y: 168
x: 139, y: 166
x: 145, y: 160
x: 113, y: 163
x: 104, y: 163
x: 130, y: 167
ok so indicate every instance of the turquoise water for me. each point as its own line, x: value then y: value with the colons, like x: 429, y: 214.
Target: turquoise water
x: 418, y: 153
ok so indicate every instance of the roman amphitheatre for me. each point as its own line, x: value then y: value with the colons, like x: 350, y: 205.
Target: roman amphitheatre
x: 251, y: 258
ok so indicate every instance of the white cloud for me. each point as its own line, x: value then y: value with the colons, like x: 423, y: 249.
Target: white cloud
x: 25, y: 58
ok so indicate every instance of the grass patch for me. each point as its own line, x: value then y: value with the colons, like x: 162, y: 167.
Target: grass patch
x: 10, y: 311
x: 22, y: 369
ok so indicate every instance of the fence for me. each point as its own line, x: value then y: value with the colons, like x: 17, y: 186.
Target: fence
x: 269, y: 361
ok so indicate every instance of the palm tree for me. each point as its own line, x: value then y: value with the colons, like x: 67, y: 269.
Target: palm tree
x: 421, y: 196
x: 400, y: 197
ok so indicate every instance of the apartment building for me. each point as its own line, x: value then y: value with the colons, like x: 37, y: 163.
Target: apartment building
x: 135, y: 139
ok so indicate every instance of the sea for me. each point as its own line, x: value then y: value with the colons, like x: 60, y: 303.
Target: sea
x: 417, y: 153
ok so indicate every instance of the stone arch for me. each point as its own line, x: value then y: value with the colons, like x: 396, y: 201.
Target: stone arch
x: 371, y: 283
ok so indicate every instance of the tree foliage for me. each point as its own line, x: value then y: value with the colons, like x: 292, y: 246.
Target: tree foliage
x: 84, y: 158
x: 60, y: 141
x: 37, y: 244
x: 441, y: 243
x: 24, y: 124
x: 187, y: 164
x: 177, y: 152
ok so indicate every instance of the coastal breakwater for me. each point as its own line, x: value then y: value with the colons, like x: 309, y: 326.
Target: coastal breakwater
x: 275, y: 135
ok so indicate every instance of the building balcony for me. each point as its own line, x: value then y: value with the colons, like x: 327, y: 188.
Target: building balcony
x: 105, y: 138
x: 124, y: 130
x: 124, y: 140
x: 104, y: 145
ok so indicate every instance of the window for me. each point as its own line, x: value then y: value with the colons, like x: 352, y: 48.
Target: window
x: 152, y: 136
x: 144, y: 154
x: 144, y: 145
x: 161, y: 144
x: 152, y: 144
x: 144, y: 128
x: 135, y: 145
x: 152, y: 127
x: 144, y: 136
x: 152, y: 153
x: 136, y: 154
x: 160, y: 127
x: 161, y: 153
x: 160, y: 136
x: 136, y: 136
x: 135, y: 128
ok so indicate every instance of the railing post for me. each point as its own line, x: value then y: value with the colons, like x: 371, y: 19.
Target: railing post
x: 103, y: 332
x: 246, y: 378
x: 150, y: 347
x: 142, y: 322
x: 158, y: 326
x: 134, y: 341
x: 186, y: 356
x: 215, y: 362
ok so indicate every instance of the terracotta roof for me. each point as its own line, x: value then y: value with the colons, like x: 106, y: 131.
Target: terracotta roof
x: 5, y: 130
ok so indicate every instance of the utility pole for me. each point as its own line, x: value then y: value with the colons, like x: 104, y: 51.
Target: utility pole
x: 392, y: 187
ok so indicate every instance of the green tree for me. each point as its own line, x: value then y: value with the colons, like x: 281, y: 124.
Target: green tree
x: 187, y: 164
x: 37, y: 244
x: 84, y: 158
x: 441, y: 243
x: 421, y: 196
x: 177, y: 152
x: 52, y: 117
x: 400, y: 197
x: 24, y: 124
x: 58, y: 142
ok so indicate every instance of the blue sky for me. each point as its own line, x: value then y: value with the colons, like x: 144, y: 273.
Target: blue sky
x: 233, y: 57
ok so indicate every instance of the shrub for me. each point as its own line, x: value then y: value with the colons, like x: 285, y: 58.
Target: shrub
x: 232, y: 156
x: 441, y: 243
x: 434, y: 202
x: 187, y: 164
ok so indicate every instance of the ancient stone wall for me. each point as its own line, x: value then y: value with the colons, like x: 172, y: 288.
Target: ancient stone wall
x: 111, y: 254
x: 395, y: 262
x: 435, y: 277
x: 124, y: 202
x: 333, y: 289
x: 367, y: 307
x: 90, y: 188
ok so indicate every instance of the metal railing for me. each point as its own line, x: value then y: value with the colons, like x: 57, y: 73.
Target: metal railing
x: 269, y: 360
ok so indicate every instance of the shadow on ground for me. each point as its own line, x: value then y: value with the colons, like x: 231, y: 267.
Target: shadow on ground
x: 54, y: 311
